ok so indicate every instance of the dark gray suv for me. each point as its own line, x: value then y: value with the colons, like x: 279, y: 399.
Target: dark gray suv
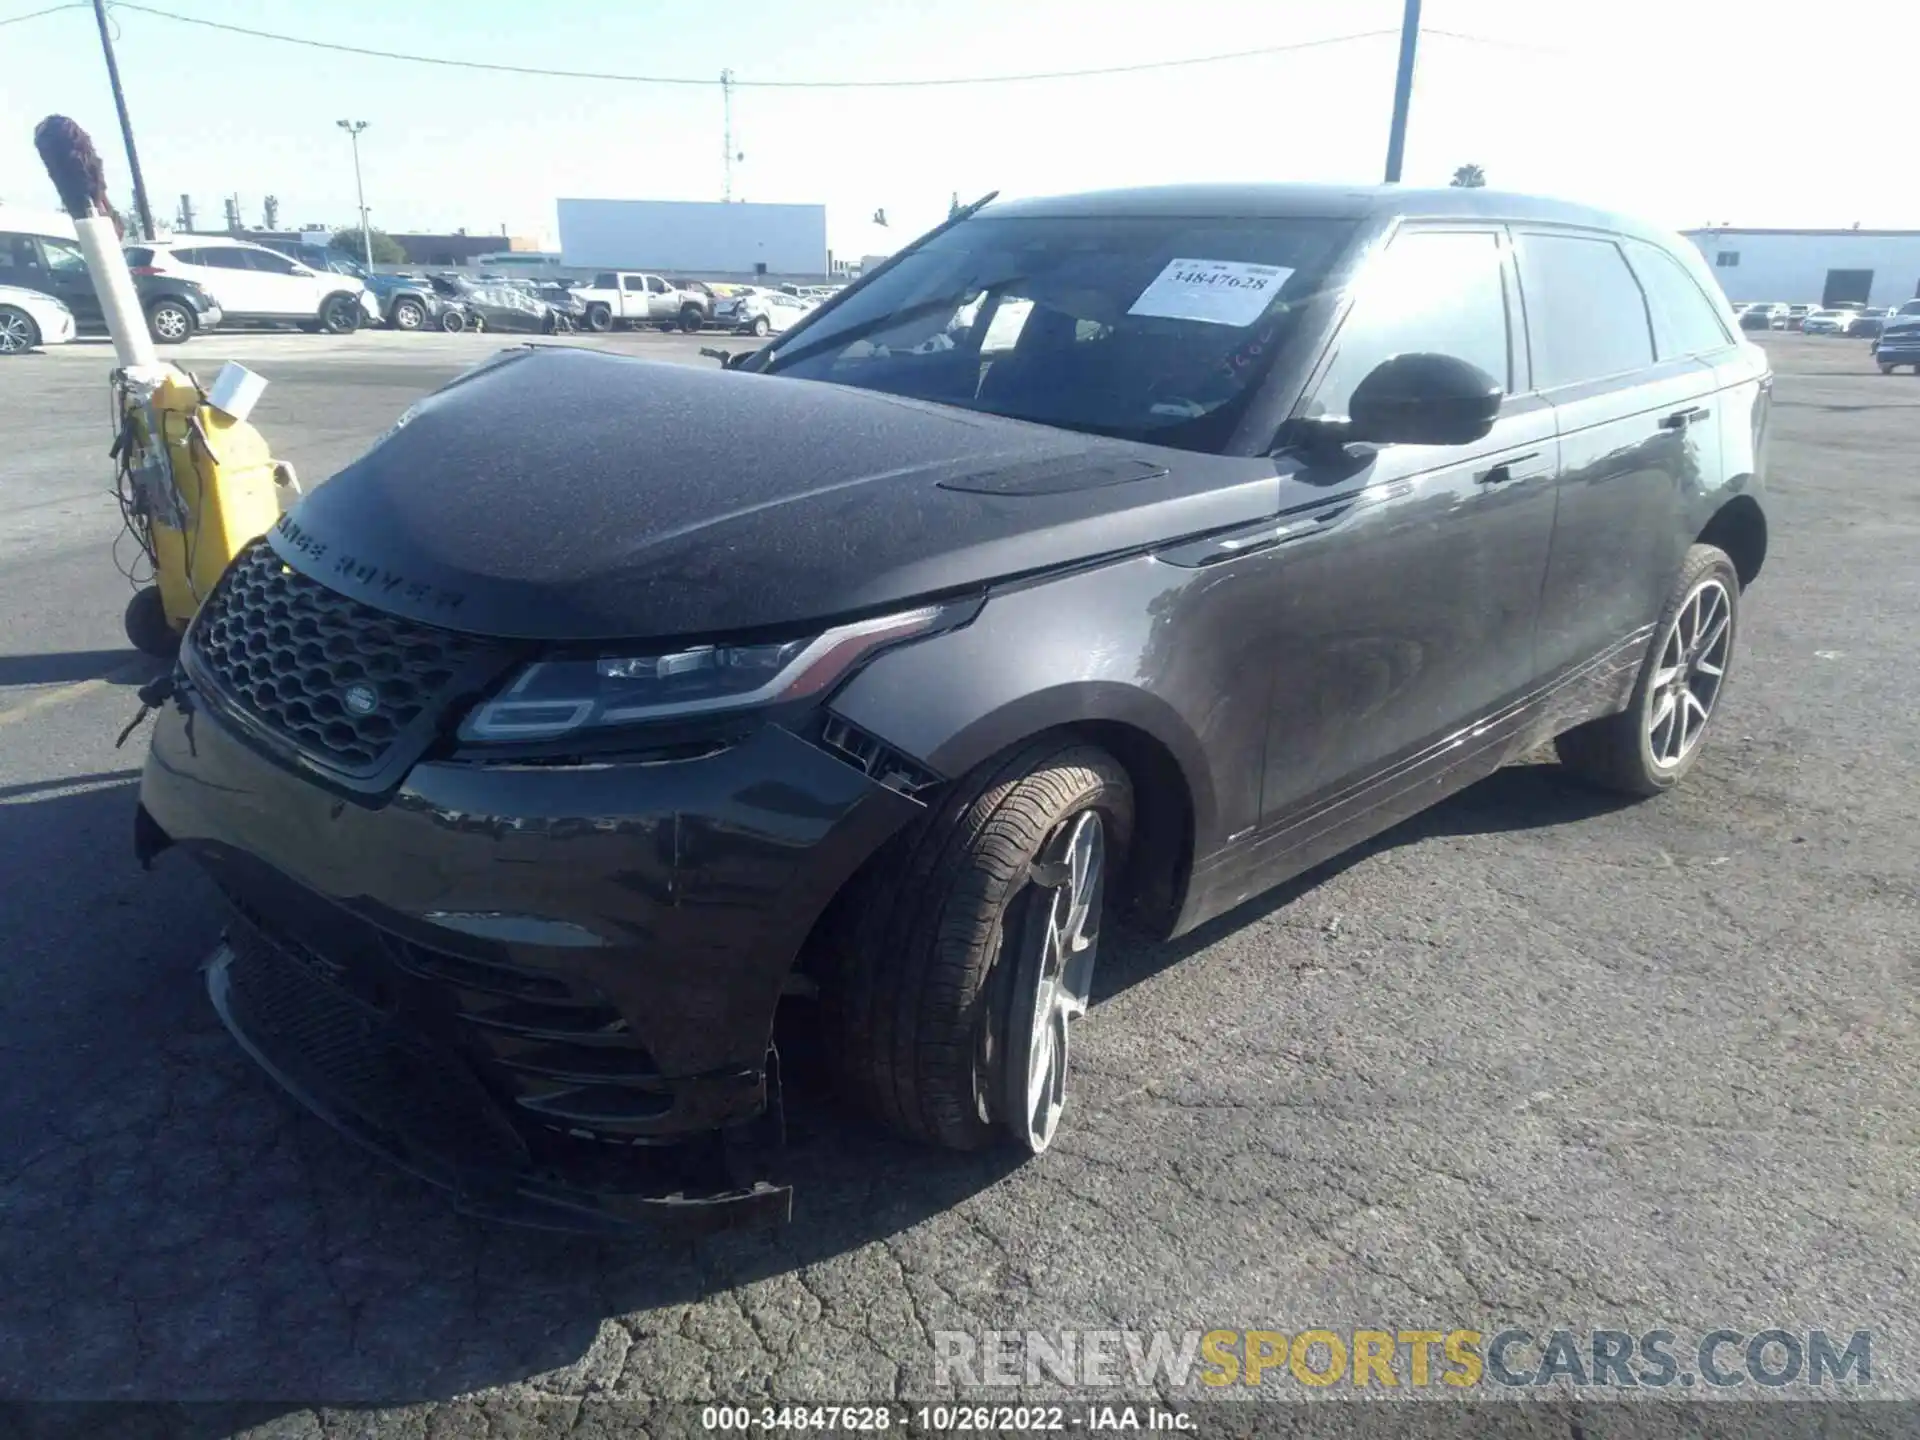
x: 1115, y: 555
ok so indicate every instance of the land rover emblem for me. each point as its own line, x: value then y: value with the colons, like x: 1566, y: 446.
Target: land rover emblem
x: 360, y: 699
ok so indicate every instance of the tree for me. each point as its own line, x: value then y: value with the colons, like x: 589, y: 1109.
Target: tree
x: 270, y: 212
x: 1469, y: 177
x: 386, y: 249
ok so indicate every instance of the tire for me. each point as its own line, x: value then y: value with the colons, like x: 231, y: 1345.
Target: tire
x: 18, y: 333
x: 408, y: 314
x: 691, y: 319
x: 147, y: 627
x: 170, y: 322
x: 339, y: 315
x: 452, y: 321
x: 1628, y: 752
x: 762, y: 327
x: 599, y: 319
x: 924, y: 947
x: 1886, y: 369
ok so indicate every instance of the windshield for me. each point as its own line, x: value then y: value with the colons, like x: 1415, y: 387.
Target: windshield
x: 1151, y: 328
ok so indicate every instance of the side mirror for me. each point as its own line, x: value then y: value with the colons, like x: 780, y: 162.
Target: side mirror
x: 1424, y: 399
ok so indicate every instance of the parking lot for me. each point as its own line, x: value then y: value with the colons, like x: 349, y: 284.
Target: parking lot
x: 1537, y: 1058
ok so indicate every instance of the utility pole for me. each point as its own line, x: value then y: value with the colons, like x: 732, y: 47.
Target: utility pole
x: 186, y: 214
x: 126, y: 124
x: 726, y: 130
x: 353, y: 129
x: 1403, y: 91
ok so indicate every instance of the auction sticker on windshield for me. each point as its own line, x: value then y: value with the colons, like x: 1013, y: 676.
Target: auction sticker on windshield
x: 1219, y: 292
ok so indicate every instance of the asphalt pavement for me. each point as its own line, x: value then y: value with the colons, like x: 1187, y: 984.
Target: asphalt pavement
x: 1537, y: 1058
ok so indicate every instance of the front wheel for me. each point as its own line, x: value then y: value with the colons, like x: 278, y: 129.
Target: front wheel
x: 691, y: 319
x: 1886, y: 369
x: 960, y: 958
x: 409, y: 314
x: 170, y: 322
x: 762, y: 327
x: 340, y: 315
x: 452, y: 321
x: 1650, y: 745
x: 18, y: 333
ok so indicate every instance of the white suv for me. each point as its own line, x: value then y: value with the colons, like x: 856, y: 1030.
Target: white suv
x: 253, y: 283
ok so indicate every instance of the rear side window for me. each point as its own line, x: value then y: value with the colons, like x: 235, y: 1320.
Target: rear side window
x: 1586, y: 316
x: 1437, y: 291
x: 1684, y: 321
x: 633, y: 283
x: 218, y: 257
x: 266, y: 260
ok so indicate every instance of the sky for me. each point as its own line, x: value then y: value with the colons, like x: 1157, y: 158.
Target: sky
x: 1687, y: 112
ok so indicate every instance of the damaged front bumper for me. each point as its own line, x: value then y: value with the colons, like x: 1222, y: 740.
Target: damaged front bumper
x: 548, y: 988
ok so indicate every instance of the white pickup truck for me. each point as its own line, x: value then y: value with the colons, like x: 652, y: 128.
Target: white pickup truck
x: 625, y: 298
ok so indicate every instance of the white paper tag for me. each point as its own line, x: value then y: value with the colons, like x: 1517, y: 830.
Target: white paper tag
x: 1219, y: 292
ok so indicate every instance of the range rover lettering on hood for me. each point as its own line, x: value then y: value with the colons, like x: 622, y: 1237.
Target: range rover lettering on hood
x: 568, y: 494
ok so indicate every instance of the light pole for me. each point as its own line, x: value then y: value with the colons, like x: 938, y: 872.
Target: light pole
x: 1402, y: 90
x: 353, y: 129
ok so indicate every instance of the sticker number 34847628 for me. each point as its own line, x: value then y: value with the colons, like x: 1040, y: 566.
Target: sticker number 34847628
x: 1219, y: 292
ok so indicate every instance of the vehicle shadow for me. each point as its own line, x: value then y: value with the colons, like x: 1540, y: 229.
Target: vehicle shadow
x: 63, y: 667
x: 176, y: 1227
x: 1526, y: 795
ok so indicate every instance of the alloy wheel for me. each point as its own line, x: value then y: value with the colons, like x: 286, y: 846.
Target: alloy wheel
x: 169, y: 323
x: 408, y: 316
x: 1691, y: 670
x: 16, y: 333
x: 1053, y: 976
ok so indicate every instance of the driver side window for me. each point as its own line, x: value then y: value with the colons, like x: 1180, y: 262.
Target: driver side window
x: 1435, y: 291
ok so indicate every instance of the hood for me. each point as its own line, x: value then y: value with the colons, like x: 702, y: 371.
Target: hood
x: 569, y: 494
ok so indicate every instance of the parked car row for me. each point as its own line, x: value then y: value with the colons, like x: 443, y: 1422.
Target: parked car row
x: 1845, y: 318
x: 192, y: 283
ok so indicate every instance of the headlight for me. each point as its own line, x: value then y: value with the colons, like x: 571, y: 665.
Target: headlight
x: 551, y: 698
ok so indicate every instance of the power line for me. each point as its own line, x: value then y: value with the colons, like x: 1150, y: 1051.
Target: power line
x: 500, y: 68
x: 50, y: 10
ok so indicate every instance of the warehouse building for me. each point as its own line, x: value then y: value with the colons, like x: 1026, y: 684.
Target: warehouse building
x: 717, y: 240
x: 1831, y: 267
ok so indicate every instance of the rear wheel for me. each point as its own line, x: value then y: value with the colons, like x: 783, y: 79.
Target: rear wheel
x: 340, y: 314
x: 1650, y: 745
x: 170, y: 321
x: 762, y: 326
x: 961, y: 957
x: 453, y: 321
x: 599, y: 318
x: 691, y: 319
x: 147, y: 626
x: 408, y: 314
x: 18, y: 333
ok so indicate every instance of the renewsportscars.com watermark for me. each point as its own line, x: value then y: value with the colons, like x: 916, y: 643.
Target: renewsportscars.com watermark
x: 1459, y: 1359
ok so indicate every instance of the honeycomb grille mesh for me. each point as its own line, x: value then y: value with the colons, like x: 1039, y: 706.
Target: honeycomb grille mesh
x: 286, y: 651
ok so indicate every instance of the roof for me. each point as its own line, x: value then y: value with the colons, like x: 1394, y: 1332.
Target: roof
x: 1342, y: 202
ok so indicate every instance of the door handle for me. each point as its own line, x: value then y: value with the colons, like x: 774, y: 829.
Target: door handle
x: 1505, y: 470
x: 1680, y: 419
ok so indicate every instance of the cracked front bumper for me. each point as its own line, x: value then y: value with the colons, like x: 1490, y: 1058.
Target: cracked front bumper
x: 549, y: 988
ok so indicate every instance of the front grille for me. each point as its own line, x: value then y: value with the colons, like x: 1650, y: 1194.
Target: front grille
x: 285, y: 651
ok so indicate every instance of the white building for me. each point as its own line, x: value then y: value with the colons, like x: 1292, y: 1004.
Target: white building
x: 1873, y: 267
x: 699, y: 238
